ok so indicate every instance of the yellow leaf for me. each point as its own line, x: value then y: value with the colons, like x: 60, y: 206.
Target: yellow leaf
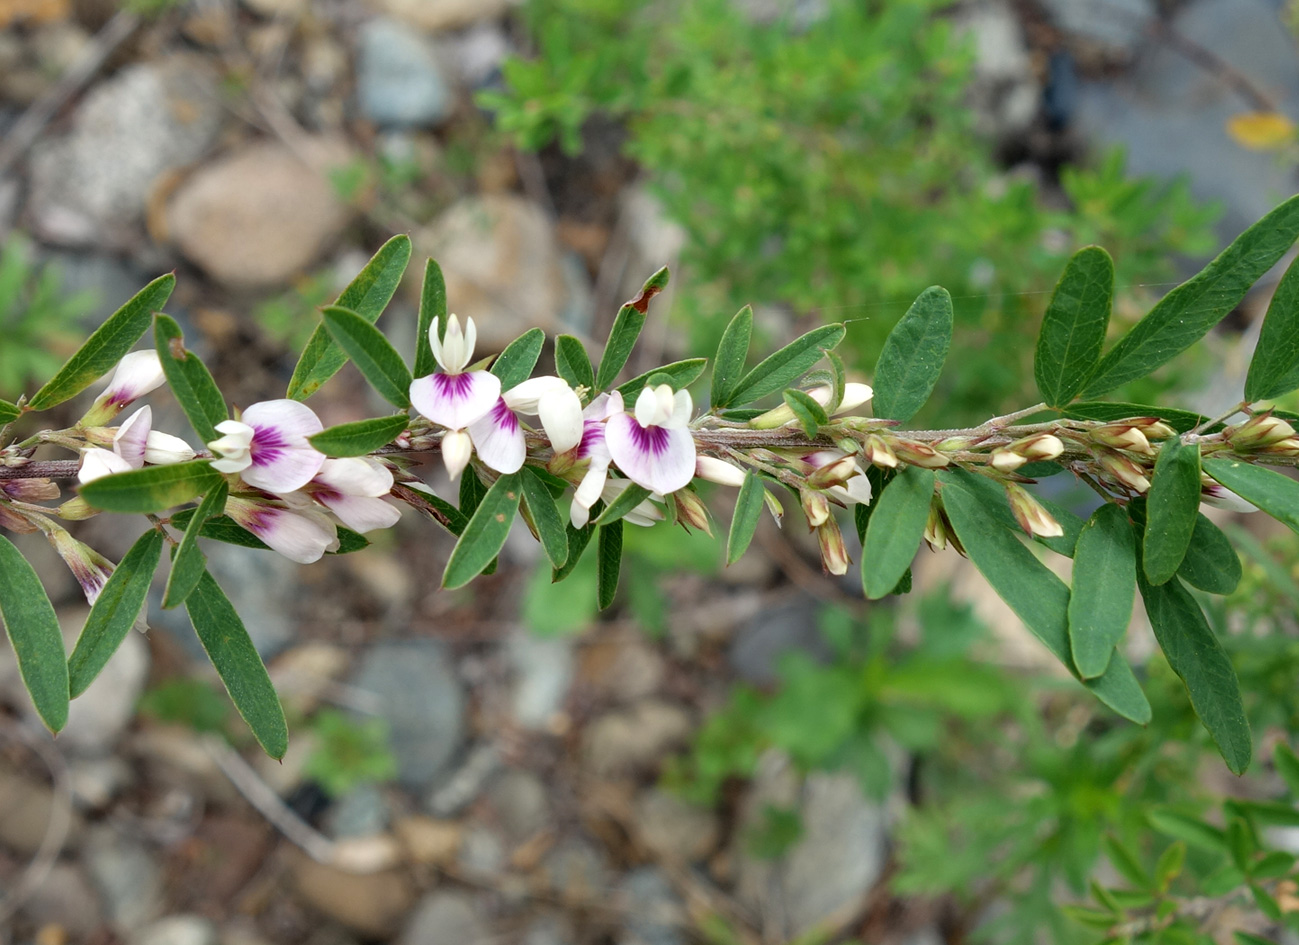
x: 1261, y: 131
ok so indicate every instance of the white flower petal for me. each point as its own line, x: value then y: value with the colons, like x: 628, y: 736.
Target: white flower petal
x: 524, y: 397
x: 457, y: 348
x: 96, y: 463
x: 360, y: 476
x: 136, y: 374
x: 560, y: 411
x: 658, y: 458
x: 300, y: 536
x: 588, y: 491
x: 457, y: 447
x: 234, y: 450
x: 290, y: 418
x: 647, y: 406
x: 282, y: 459
x: 163, y: 449
x: 498, y: 438
x: 455, y: 400
x: 682, y: 407
x: 361, y: 513
x: 719, y: 471
x: 132, y: 436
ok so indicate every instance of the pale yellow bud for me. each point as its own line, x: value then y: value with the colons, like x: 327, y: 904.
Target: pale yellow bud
x: 834, y: 555
x: 1259, y: 431
x: 691, y: 510
x: 1123, y: 470
x: 1122, y: 436
x: 816, y: 507
x: 1032, y: 517
x: 878, y: 452
x: 919, y: 454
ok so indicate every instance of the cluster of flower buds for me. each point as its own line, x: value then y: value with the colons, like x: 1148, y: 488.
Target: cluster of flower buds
x: 1264, y: 433
x: 1133, y: 434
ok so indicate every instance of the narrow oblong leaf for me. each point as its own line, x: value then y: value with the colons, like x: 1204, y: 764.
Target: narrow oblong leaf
x: 1104, y: 589
x: 1035, y: 593
x: 1211, y: 563
x: 432, y: 304
x: 514, y: 365
x: 1274, y: 369
x: 189, y: 379
x: 578, y: 539
x: 679, y: 374
x: 1073, y: 328
x: 627, y: 325
x: 732, y: 351
x: 545, y: 516
x: 572, y: 362
x: 151, y: 489
x: 781, y: 369
x: 220, y: 528
x: 1187, y: 313
x: 1107, y: 411
x: 1287, y: 765
x: 114, y: 611
x: 361, y: 437
x: 1275, y: 494
x: 188, y: 563
x: 1171, y: 509
x: 913, y: 355
x: 1194, y: 653
x: 106, y: 346
x: 372, y: 354
x: 34, y: 634
x: 367, y: 295
x: 810, y: 414
x: 486, y: 532
x: 237, y: 662
x: 894, y: 530
x: 608, y: 546
x: 1125, y: 862
x: 8, y: 412
x: 631, y: 497
x: 748, y: 509
x: 1192, y: 831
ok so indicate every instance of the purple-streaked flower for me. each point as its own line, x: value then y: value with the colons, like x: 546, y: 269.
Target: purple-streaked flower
x: 498, y: 436
x: 455, y: 398
x: 646, y: 513
x: 301, y: 535
x: 840, y: 475
x: 653, y: 446
x: 91, y: 569
x: 593, y: 450
x: 1220, y: 497
x: 134, y: 444
x: 268, y: 446
x: 136, y: 374
x: 352, y: 489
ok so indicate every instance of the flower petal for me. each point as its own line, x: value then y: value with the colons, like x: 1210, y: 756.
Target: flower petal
x: 163, y: 449
x: 138, y: 373
x: 359, y: 476
x: 455, y: 400
x: 658, y: 458
x: 682, y: 407
x: 361, y: 513
x: 498, y: 438
x: 96, y: 463
x: 299, y: 536
x: 282, y: 459
x: 560, y: 411
x: 290, y: 418
x: 524, y: 397
x: 457, y: 447
x: 132, y: 436
x: 588, y: 491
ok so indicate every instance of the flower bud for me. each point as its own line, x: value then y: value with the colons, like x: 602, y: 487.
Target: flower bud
x: 456, y: 450
x: 691, y: 511
x: 1259, y: 431
x: 91, y: 569
x: 719, y: 471
x: 954, y: 444
x: 935, y: 529
x: 1287, y: 447
x: 878, y: 452
x: 1123, y: 470
x: 1004, y: 459
x: 30, y: 490
x: 834, y: 556
x: 136, y: 374
x: 919, y: 454
x: 774, y: 507
x: 163, y: 449
x: 854, y: 395
x: 1031, y: 449
x: 1032, y: 517
x: 815, y: 506
x: 1152, y: 427
x: 834, y: 473
x: 1122, y: 436
x: 76, y: 509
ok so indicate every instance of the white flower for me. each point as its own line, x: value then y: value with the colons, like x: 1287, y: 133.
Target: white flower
x: 593, y: 449
x: 454, y: 398
x: 134, y: 444
x: 653, y: 446
x: 268, y: 447
x: 301, y: 535
x: 352, y: 489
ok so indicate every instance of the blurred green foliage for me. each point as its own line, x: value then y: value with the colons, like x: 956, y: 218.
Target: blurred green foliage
x: 38, y: 320
x: 348, y: 752
x: 832, y: 167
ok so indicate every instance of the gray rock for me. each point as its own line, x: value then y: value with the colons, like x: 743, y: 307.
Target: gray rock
x: 635, y: 738
x: 756, y: 650
x: 96, y: 781
x: 415, y: 690
x: 1117, y: 26
x: 482, y: 852
x: 177, y: 930
x: 822, y: 881
x: 455, y: 791
x: 674, y: 830
x: 98, y: 717
x: 435, y: 15
x: 399, y: 83
x: 549, y: 930
x: 90, y: 186
x: 655, y: 913
x: 65, y: 897
x: 476, y: 54
x: 261, y: 214
x: 362, y: 812
x: 543, y: 671
x: 1004, y: 92
x: 521, y: 801
x: 126, y: 876
x: 577, y: 872
x: 32, y: 810
x: 445, y: 918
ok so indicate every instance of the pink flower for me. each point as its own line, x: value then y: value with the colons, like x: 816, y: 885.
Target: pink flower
x: 455, y: 398
x: 352, y: 490
x: 301, y: 535
x: 653, y: 447
x: 498, y: 435
x: 268, y: 446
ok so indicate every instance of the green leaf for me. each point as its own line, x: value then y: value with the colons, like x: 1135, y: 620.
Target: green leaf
x: 894, y: 530
x: 1171, y: 509
x: 627, y: 325
x: 349, y: 542
x: 432, y: 304
x: 188, y: 562
x: 1184, y: 315
x: 578, y: 539
x: 515, y: 363
x: 114, y: 611
x: 748, y: 509
x: 811, y: 415
x: 106, y: 346
x: 781, y: 369
x: 545, y: 516
x: 1275, y: 494
x: 361, y: 437
x: 1273, y: 865
x: 189, y: 379
x: 35, y: 636
x: 1249, y: 938
x: 1073, y: 328
x: 1211, y: 563
x: 1190, y: 830
x: 151, y: 489
x: 631, y: 497
x: 913, y: 356
x: 367, y: 295
x: 8, y: 412
x: 1104, y: 588
x: 472, y: 492
x: 1194, y: 653
x: 1125, y: 862
x: 732, y: 351
x: 220, y: 528
x: 1034, y: 592
x: 1287, y: 765
x: 572, y: 362
x: 679, y: 374
x: 486, y: 532
x: 370, y: 351
x: 235, y: 658
x: 608, y: 546
x: 1274, y: 369
x: 1106, y: 412
x: 1170, y: 864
